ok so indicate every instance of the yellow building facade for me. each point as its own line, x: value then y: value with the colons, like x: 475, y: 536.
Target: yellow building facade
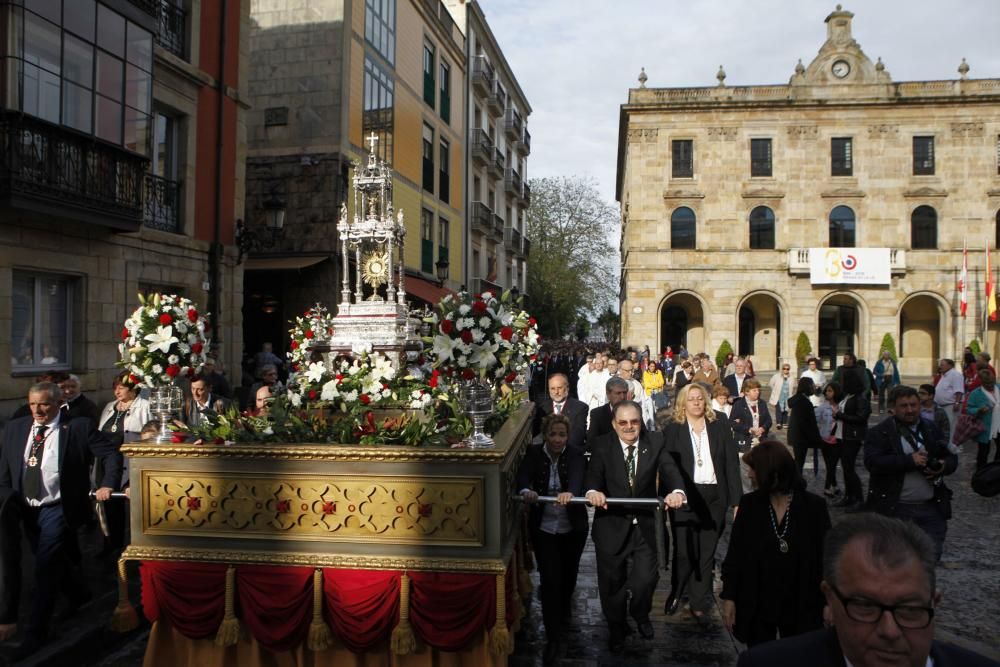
x: 738, y: 203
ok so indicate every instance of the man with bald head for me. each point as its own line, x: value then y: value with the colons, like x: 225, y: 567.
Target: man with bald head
x: 560, y: 402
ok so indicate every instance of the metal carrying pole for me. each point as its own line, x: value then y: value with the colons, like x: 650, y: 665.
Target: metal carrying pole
x: 114, y: 495
x: 655, y: 503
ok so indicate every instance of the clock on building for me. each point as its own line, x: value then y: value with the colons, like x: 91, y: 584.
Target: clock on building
x: 841, y: 68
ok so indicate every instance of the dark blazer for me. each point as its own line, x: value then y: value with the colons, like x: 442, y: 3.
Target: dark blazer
x: 79, y: 444
x: 803, y: 431
x: 606, y: 473
x: 10, y: 556
x: 218, y: 404
x: 725, y: 459
x: 574, y: 409
x: 600, y: 424
x: 729, y: 382
x: 855, y: 416
x: 81, y: 406
x: 885, y: 460
x: 741, y: 419
x: 821, y: 648
x: 534, y: 474
x: 747, y: 578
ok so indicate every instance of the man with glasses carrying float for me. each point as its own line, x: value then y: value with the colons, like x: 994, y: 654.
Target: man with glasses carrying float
x: 879, y: 583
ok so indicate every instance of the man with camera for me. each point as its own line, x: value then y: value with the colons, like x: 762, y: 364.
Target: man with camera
x: 908, y: 458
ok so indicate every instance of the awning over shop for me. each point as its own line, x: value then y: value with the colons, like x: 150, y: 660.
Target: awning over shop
x: 291, y: 263
x: 426, y: 290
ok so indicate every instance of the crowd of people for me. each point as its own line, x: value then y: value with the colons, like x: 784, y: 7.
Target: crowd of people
x: 621, y: 426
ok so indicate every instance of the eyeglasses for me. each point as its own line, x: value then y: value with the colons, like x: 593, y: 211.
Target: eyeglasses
x: 911, y: 617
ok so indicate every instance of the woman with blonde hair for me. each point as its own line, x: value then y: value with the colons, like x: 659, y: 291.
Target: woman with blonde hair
x: 701, y: 443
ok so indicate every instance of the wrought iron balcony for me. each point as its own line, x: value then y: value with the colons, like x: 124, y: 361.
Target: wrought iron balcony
x: 526, y: 193
x: 513, y: 125
x: 524, y: 145
x: 498, y: 163
x: 163, y: 204
x: 481, y: 217
x: 171, y: 32
x: 512, y: 182
x: 512, y: 239
x: 525, y: 246
x: 497, y: 101
x: 482, y: 147
x: 148, y: 6
x: 483, y: 78
x: 58, y: 172
x: 498, y: 224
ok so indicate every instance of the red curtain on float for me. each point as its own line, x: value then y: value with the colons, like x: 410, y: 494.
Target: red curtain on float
x: 447, y: 611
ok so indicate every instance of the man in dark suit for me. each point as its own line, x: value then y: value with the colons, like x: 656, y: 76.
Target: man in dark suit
x: 202, y: 401
x: 625, y: 465
x: 75, y: 404
x: 879, y: 583
x: 734, y: 382
x: 44, y: 465
x: 560, y: 402
x: 616, y: 390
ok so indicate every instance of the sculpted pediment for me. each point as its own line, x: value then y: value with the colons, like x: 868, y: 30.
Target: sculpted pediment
x: 840, y: 60
x: 681, y: 193
x: 763, y: 193
x: 925, y: 191
x: 843, y: 193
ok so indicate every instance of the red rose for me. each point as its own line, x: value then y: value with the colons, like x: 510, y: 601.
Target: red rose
x: 309, y: 334
x: 173, y: 370
x: 366, y: 399
x: 166, y: 319
x: 532, y: 321
x: 312, y: 394
x: 447, y: 326
x: 467, y: 337
x: 294, y: 345
x: 510, y: 377
x: 385, y: 385
x: 197, y: 348
x: 124, y: 333
x: 479, y: 307
x: 192, y: 315
x: 339, y: 376
x: 177, y: 438
x: 468, y: 374
x: 219, y: 441
x: 433, y: 383
x: 507, y: 333
x: 533, y: 357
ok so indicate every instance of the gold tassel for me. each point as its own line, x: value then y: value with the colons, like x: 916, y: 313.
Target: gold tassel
x: 124, y: 617
x: 403, y: 642
x: 229, y: 629
x: 501, y: 643
x: 320, y: 635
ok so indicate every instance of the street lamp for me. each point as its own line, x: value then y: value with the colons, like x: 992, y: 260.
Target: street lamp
x: 274, y: 216
x: 441, y: 268
x: 248, y: 240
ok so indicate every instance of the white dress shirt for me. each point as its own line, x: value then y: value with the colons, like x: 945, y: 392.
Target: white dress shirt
x: 49, y: 463
x: 704, y: 473
x: 951, y: 383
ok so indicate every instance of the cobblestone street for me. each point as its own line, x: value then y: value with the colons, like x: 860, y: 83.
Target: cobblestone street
x: 969, y: 576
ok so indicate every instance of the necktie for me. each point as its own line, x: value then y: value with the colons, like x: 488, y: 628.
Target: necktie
x: 630, y: 464
x: 558, y: 407
x: 32, y: 483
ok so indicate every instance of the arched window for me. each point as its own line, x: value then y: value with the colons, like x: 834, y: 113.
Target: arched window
x: 842, y: 227
x: 923, y: 228
x: 682, y: 229
x: 762, y: 228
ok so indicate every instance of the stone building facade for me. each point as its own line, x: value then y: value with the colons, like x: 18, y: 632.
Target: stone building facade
x: 324, y: 76
x: 497, y: 150
x: 728, y: 194
x: 127, y: 181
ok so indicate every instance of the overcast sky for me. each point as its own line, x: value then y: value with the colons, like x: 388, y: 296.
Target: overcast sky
x: 576, y: 59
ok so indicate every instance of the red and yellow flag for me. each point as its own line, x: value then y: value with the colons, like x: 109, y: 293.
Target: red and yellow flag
x: 991, y: 297
x: 963, y: 281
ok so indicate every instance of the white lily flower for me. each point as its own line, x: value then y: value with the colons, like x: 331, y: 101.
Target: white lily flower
x: 330, y: 391
x: 161, y: 340
x: 315, y: 371
x: 484, y: 355
x: 444, y: 347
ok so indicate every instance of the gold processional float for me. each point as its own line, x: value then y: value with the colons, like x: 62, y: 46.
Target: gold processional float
x: 373, y: 507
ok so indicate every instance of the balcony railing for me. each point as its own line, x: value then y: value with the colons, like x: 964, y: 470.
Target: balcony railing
x: 512, y: 240
x: 497, y: 101
x: 513, y: 125
x: 524, y: 145
x: 163, y: 204
x: 482, y: 76
x: 482, y: 147
x: 498, y: 223
x: 512, y: 182
x: 148, y: 6
x: 525, y: 246
x: 498, y: 163
x: 46, y: 168
x: 481, y: 217
x: 526, y: 193
x: 172, y: 30
x: 798, y: 260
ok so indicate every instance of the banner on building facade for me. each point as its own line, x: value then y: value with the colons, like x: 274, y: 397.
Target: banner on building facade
x: 849, y: 266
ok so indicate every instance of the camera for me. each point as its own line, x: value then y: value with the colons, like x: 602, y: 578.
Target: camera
x: 934, y: 464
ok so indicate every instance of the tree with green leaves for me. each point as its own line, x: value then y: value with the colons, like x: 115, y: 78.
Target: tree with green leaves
x: 888, y: 343
x: 571, y: 265
x: 803, y: 349
x: 611, y: 321
x: 725, y: 349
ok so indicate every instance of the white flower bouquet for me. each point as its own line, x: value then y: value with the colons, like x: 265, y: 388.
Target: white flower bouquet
x: 164, y: 338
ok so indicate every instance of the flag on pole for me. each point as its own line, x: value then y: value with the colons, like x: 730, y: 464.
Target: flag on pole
x: 991, y: 297
x: 963, y: 280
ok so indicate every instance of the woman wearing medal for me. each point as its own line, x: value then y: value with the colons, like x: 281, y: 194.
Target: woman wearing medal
x: 701, y: 442
x: 774, y: 564
x: 128, y: 413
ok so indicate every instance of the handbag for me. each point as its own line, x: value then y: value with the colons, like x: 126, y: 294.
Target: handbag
x: 966, y: 428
